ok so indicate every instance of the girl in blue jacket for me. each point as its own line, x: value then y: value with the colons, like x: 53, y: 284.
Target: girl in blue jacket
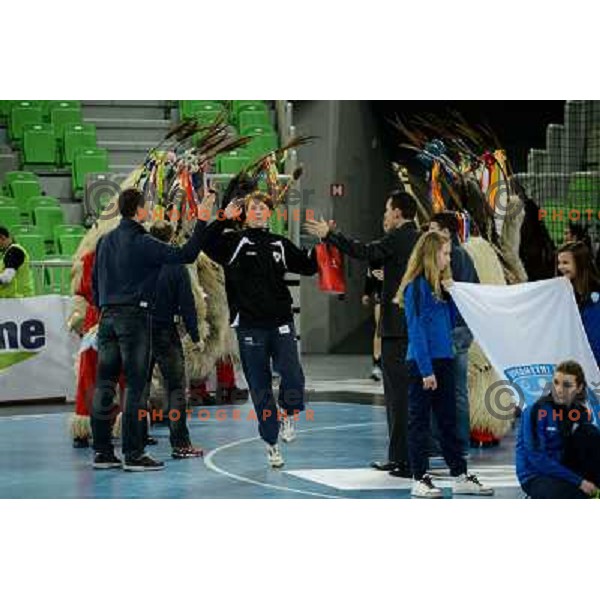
x: 558, y: 449
x: 575, y: 261
x: 429, y: 315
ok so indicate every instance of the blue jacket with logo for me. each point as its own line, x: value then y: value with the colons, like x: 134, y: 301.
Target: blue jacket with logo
x: 430, y: 322
x: 540, y: 444
x: 590, y: 315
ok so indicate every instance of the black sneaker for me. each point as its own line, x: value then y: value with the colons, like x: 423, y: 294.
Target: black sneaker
x: 401, y: 470
x: 143, y: 463
x: 151, y: 441
x: 106, y: 461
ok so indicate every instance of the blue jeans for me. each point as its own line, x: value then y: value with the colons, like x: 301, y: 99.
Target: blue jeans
x: 124, y: 342
x: 462, y: 339
x: 441, y: 402
x: 258, y: 346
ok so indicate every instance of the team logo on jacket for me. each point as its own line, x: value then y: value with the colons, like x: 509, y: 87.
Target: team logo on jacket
x: 277, y: 256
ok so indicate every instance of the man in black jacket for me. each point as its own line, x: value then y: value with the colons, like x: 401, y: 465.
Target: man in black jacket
x: 255, y: 262
x: 127, y: 265
x: 393, y: 252
x: 174, y: 300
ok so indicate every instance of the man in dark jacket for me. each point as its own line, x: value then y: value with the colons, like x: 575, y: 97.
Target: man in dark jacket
x: 463, y: 270
x: 255, y: 262
x: 127, y: 265
x: 393, y: 252
x: 174, y: 300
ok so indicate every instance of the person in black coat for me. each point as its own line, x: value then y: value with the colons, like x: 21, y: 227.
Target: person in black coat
x: 392, y: 251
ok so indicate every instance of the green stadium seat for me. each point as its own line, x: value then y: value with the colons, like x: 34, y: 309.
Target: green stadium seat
x: 49, y: 105
x: 87, y: 160
x: 46, y: 218
x: 24, y: 230
x: 57, y: 280
x: 232, y: 162
x: 207, y: 117
x: 7, y: 201
x: 34, y: 244
x: 62, y: 115
x: 68, y: 244
x: 21, y: 191
x: 10, y: 216
x: 189, y: 108
x: 18, y: 175
x: 36, y: 201
x: 67, y: 229
x: 39, y: 145
x: 253, y: 117
x: 254, y: 104
x: 77, y: 135
x: 262, y: 144
x: 22, y: 113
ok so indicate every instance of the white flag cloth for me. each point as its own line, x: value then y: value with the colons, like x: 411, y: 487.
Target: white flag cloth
x: 526, y: 330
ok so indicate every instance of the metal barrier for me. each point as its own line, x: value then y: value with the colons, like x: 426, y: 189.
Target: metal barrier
x: 51, y: 276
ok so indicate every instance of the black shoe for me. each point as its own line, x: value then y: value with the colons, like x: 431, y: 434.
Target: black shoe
x: 106, y: 461
x: 143, y: 463
x: 401, y: 470
x: 81, y: 443
x: 151, y: 441
x: 381, y: 466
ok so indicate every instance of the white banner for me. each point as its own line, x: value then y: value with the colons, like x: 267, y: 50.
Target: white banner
x: 36, y: 350
x: 526, y: 330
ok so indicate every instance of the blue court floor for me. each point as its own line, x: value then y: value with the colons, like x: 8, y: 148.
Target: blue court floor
x: 328, y: 459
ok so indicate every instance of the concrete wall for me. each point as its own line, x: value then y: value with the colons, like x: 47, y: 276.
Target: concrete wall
x: 347, y: 152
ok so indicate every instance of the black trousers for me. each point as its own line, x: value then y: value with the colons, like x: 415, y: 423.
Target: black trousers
x: 582, y: 456
x: 395, y: 389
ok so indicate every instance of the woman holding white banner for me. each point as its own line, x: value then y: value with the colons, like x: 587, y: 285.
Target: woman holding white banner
x: 576, y: 263
x: 430, y: 357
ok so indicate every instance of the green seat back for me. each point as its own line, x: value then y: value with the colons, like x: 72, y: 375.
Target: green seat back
x: 76, y: 136
x: 39, y: 144
x: 87, y: 160
x: 63, y: 115
x: 68, y: 244
x: 189, y: 108
x: 46, y: 218
x: 33, y: 243
x: 10, y: 216
x: 22, y: 113
x: 67, y: 229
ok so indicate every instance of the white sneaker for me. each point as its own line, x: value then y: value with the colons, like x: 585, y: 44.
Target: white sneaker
x: 274, y: 456
x: 424, y: 488
x: 376, y: 373
x: 287, y: 431
x: 469, y: 485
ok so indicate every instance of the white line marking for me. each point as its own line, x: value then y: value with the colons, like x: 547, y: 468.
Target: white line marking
x: 208, y: 460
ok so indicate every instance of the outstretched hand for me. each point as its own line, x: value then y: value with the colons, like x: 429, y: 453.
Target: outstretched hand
x: 320, y: 228
x: 205, y: 207
x: 233, y: 210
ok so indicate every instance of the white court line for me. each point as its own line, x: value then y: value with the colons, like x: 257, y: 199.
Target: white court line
x: 208, y: 460
x: 37, y: 416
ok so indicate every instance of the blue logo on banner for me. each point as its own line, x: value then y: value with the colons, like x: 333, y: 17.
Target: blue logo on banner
x: 533, y: 381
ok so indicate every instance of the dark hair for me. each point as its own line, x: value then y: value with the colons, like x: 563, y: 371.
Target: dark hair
x: 405, y: 203
x: 587, y: 279
x: 162, y: 230
x: 571, y: 367
x: 4, y: 232
x: 129, y: 202
x: 446, y: 220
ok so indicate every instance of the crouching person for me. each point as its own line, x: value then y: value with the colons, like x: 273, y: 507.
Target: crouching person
x: 558, y: 447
